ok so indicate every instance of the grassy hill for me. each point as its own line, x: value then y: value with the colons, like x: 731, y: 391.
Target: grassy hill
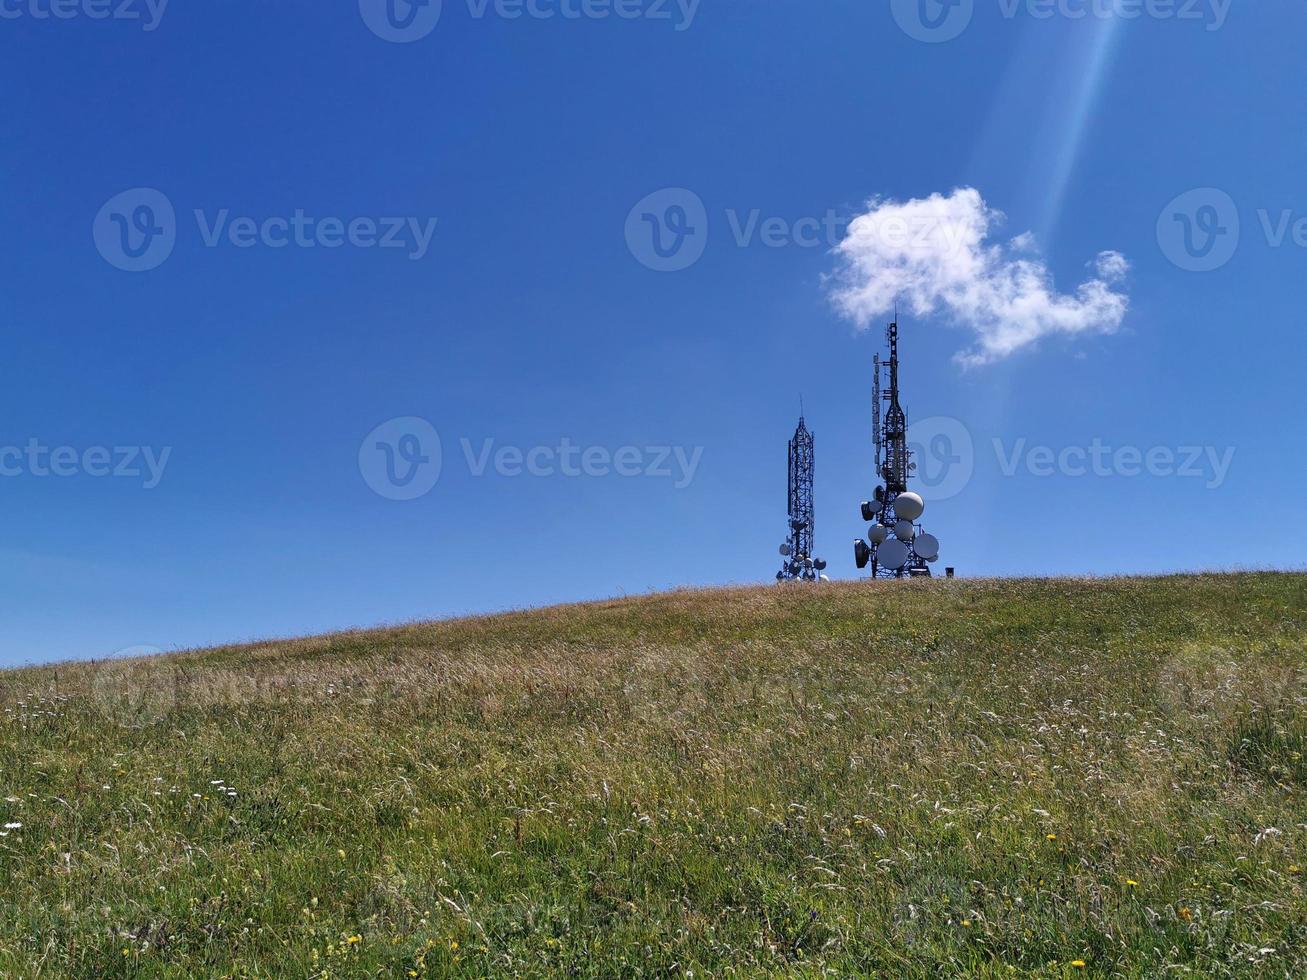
x: 994, y: 778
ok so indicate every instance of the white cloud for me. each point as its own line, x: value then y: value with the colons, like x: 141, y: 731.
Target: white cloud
x: 935, y: 256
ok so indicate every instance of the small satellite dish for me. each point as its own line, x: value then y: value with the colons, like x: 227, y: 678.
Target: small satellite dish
x: 926, y: 546
x: 861, y: 553
x: 780, y: 576
x: 807, y: 562
x: 878, y: 534
x: 871, y: 508
x: 786, y: 550
x: 893, y: 555
x: 819, y: 564
x: 904, y: 530
x: 880, y: 494
x: 909, y: 506
x: 823, y: 578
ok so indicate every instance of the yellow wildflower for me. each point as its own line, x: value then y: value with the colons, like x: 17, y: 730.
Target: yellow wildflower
x: 1078, y: 964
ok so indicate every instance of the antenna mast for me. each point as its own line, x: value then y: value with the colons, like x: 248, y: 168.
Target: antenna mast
x: 797, y: 561
x: 898, y: 547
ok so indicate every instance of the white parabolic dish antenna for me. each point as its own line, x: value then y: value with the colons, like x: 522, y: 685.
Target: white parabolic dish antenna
x: 904, y: 530
x: 893, y: 555
x: 909, y: 506
x: 926, y: 546
x: 878, y: 534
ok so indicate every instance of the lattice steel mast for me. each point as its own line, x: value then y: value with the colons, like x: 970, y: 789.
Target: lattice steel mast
x: 896, y: 549
x: 796, y: 551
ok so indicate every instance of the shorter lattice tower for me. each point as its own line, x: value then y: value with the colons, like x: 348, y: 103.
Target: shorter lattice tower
x: 796, y: 550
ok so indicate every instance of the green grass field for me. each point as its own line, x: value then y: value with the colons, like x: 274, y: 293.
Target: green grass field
x: 927, y: 779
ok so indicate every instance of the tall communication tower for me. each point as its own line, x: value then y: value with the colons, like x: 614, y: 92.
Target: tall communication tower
x: 895, y: 545
x: 796, y: 550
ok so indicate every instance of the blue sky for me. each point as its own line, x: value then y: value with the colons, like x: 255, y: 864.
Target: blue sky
x: 260, y: 375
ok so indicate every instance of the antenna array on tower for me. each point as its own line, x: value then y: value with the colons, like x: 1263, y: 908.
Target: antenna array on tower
x: 895, y: 545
